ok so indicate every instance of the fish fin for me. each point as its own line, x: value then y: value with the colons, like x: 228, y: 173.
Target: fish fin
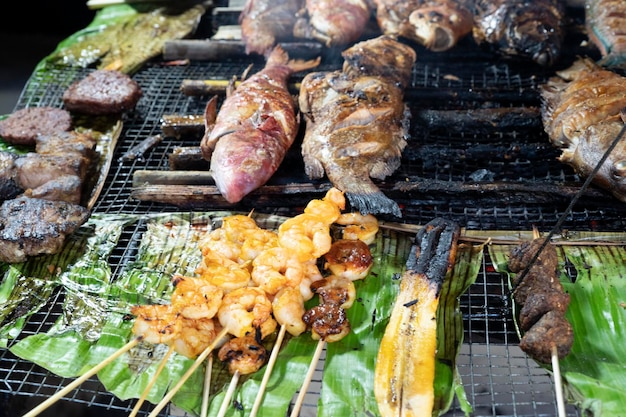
x: 210, y: 115
x: 374, y: 203
x: 278, y: 56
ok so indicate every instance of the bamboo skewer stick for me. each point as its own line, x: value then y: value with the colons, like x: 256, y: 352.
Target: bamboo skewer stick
x: 558, y: 386
x: 60, y: 394
x: 268, y: 370
x: 187, y: 374
x: 206, y: 388
x: 308, y: 378
x: 229, y: 394
x: 151, y: 383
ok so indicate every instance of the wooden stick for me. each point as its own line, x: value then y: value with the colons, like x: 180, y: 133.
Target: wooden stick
x: 153, y: 380
x: 558, y: 386
x: 268, y: 370
x: 60, y: 394
x: 308, y: 378
x: 204, y: 410
x: 229, y: 394
x: 187, y: 374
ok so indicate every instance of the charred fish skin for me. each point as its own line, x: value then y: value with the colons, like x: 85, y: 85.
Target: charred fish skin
x: 333, y: 22
x: 583, y: 112
x: 605, y: 21
x: 265, y: 22
x: 531, y: 29
x: 438, y: 25
x: 357, y: 124
x: 256, y: 125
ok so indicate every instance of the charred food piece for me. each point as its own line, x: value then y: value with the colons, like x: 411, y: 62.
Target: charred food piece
x: 24, y: 126
x: 552, y: 329
x: 32, y: 226
x: 9, y: 187
x: 102, y: 92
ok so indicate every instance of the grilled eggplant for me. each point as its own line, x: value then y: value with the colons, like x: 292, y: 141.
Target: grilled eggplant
x: 356, y: 121
x: 256, y: 125
x: 436, y: 24
x: 606, y: 27
x: 333, y: 22
x: 530, y: 29
x: 583, y: 112
x: 265, y: 22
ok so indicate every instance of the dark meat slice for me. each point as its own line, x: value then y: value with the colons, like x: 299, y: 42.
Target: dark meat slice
x: 32, y: 226
x: 522, y: 255
x: 552, y: 329
x: 66, y: 188
x: 327, y: 322
x: 102, y: 92
x: 539, y: 279
x: 23, y: 126
x: 539, y: 303
x: 34, y: 170
x: 62, y: 143
x: 8, y: 186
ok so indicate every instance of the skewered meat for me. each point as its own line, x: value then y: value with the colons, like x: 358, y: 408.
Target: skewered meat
x: 333, y: 22
x: 264, y: 22
x: 606, y: 27
x: 543, y: 302
x: 23, y: 126
x: 436, y: 24
x: 257, y: 123
x: 528, y: 29
x: 33, y: 226
x: 102, y: 92
x: 582, y: 111
x: 356, y: 121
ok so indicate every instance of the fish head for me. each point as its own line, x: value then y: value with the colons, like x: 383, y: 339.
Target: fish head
x: 539, y: 41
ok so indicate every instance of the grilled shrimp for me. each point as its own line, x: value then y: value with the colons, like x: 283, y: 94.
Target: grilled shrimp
x: 245, y: 311
x: 243, y: 354
x: 350, y: 259
x: 195, y: 298
x: 256, y: 242
x: 276, y: 268
x: 223, y: 272
x: 359, y: 226
x: 156, y: 323
x: 307, y: 235
x: 328, y: 208
x: 311, y: 275
x: 195, y: 336
x: 288, y: 308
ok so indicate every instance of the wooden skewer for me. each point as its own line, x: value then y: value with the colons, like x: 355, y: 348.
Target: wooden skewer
x: 229, y: 394
x: 558, y: 386
x: 153, y: 380
x: 60, y: 394
x: 268, y: 370
x: 308, y: 378
x: 187, y: 374
x: 206, y: 388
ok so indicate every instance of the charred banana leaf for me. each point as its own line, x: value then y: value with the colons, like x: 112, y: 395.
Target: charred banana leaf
x: 405, y: 366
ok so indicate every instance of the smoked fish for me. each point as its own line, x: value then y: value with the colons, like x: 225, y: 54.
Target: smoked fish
x: 605, y: 21
x: 265, y: 22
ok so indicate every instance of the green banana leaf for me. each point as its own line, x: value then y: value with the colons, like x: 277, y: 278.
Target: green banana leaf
x: 594, y: 372
x: 96, y: 323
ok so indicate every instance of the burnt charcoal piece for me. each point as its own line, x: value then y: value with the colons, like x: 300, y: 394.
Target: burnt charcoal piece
x: 551, y: 330
x: 538, y: 304
x: 32, y: 226
x: 102, y: 92
x: 24, y: 126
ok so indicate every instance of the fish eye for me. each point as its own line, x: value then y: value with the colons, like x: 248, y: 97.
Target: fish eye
x: 619, y: 169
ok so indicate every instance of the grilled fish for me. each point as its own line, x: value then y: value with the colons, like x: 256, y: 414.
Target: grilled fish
x: 528, y: 29
x: 356, y: 121
x: 436, y: 24
x: 256, y: 125
x: 583, y: 112
x: 264, y: 22
x: 333, y: 22
x: 606, y: 27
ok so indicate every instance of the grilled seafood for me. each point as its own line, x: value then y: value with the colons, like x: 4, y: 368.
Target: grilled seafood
x: 605, y: 21
x: 582, y: 112
x: 288, y: 309
x: 254, y: 128
x: 264, y: 22
x: 528, y: 29
x: 436, y: 24
x: 243, y: 354
x: 333, y: 22
x: 356, y: 121
x: 245, y: 311
x: 349, y: 258
x: 194, y: 298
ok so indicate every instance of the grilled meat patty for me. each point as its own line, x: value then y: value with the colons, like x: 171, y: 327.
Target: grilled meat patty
x: 102, y: 92
x: 33, y: 226
x: 24, y: 126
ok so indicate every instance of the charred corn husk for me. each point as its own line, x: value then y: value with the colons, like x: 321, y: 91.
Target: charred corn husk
x: 405, y: 366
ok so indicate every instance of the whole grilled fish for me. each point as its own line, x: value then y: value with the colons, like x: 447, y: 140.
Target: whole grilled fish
x: 333, y: 22
x: 583, y: 112
x: 356, y: 121
x: 525, y: 28
x: 606, y: 28
x: 257, y: 123
x: 436, y: 24
x: 264, y: 22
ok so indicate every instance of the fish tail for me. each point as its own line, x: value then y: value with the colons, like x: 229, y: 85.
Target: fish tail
x: 279, y: 56
x: 374, y: 203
